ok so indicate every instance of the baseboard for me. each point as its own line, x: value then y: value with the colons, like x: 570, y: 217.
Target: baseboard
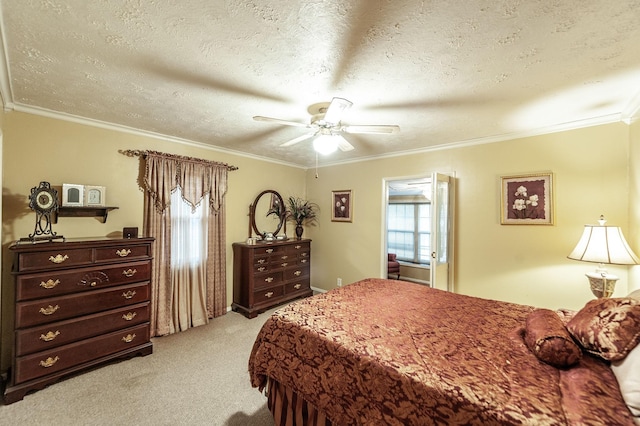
x: 415, y: 280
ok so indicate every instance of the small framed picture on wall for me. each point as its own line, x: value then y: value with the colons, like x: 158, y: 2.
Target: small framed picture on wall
x: 342, y: 208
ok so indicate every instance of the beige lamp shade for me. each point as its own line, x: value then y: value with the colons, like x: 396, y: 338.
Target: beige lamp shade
x: 603, y: 245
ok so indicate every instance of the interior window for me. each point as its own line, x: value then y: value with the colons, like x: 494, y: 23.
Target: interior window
x: 409, y: 231
x: 189, y: 231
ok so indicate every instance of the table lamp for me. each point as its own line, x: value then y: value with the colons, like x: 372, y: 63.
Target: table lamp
x: 603, y: 245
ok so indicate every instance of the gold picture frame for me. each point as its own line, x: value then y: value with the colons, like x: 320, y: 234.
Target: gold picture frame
x: 342, y: 206
x: 527, y: 199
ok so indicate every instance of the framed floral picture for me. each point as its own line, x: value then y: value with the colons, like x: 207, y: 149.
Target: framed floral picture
x: 527, y: 199
x: 342, y: 210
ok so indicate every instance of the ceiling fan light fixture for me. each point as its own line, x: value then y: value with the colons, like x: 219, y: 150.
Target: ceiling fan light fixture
x: 325, y: 144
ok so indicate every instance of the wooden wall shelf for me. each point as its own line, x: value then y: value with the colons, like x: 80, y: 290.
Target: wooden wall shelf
x: 83, y: 212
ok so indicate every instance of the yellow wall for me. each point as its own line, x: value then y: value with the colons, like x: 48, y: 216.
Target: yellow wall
x: 44, y: 149
x: 634, y: 200
x: 517, y: 263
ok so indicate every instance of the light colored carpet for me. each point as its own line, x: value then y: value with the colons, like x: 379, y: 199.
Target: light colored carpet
x: 197, y: 377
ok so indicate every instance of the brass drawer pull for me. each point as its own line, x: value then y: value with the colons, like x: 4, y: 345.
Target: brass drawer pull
x: 261, y: 269
x: 304, y: 254
x: 49, y: 284
x: 269, y: 294
x: 129, y: 294
x: 129, y: 316
x: 283, y: 264
x: 49, y: 336
x: 49, y: 362
x: 129, y: 272
x: 128, y: 338
x: 261, y: 261
x: 298, y: 247
x: 93, y: 284
x: 269, y: 251
x: 297, y: 273
x: 303, y: 261
x: 49, y: 310
x: 269, y: 279
x: 58, y: 259
x: 123, y: 252
x: 284, y: 257
x: 297, y: 286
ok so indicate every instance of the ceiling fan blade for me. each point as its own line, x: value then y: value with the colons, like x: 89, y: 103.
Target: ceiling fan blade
x: 299, y: 139
x: 335, y: 110
x: 279, y: 121
x: 343, y: 144
x: 372, y: 129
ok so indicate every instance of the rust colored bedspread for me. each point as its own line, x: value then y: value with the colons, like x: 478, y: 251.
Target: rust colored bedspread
x: 387, y: 352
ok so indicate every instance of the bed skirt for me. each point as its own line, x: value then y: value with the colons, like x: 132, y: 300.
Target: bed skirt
x: 290, y: 409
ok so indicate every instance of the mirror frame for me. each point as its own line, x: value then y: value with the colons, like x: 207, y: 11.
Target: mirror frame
x: 252, y: 213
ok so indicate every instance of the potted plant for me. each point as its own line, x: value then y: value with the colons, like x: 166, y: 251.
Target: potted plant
x: 301, y: 212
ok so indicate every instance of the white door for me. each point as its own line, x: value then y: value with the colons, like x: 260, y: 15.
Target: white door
x: 442, y: 232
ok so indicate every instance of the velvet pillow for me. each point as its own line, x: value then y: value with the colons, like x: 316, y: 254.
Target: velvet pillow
x: 547, y: 337
x: 608, y: 328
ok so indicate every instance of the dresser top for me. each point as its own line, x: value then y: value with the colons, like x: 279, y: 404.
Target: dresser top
x: 77, y: 242
x: 259, y: 244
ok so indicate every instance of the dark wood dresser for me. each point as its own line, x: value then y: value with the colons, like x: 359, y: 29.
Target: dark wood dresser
x: 78, y: 304
x: 267, y: 274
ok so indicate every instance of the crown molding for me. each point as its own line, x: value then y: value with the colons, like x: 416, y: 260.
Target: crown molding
x: 631, y: 112
x: 6, y: 93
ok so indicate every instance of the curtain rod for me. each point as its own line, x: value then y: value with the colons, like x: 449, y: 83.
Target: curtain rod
x: 143, y: 153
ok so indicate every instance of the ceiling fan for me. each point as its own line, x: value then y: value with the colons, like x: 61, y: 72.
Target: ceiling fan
x: 327, y: 128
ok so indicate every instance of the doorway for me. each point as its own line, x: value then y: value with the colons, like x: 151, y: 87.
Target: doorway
x: 418, y: 228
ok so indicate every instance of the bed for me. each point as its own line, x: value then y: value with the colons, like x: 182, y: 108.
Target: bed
x: 388, y: 352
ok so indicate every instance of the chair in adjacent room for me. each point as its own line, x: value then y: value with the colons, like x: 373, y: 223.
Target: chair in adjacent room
x: 393, y: 266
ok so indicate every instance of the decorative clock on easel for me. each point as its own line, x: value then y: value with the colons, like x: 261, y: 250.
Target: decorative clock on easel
x: 44, y: 201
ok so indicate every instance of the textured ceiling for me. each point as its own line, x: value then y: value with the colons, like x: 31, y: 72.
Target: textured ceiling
x: 446, y: 72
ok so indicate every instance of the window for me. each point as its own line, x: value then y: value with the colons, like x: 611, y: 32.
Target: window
x: 409, y: 232
x: 189, y: 231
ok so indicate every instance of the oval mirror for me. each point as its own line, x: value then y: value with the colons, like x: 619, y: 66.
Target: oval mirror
x: 267, y: 214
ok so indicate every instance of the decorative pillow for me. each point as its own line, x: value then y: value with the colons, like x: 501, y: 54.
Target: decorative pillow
x: 547, y: 337
x: 634, y: 294
x: 608, y: 328
x: 627, y: 372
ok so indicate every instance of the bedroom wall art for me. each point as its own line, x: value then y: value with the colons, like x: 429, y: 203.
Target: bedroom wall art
x: 342, y: 210
x: 527, y: 199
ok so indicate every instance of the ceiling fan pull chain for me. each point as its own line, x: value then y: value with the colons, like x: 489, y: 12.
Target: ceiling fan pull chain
x: 316, y: 164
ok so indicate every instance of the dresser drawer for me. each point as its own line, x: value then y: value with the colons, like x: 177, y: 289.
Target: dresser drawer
x: 296, y: 286
x: 268, y: 250
x: 267, y: 294
x: 296, y: 273
x: 298, y: 248
x: 267, y: 280
x: 47, y: 284
x: 123, y: 253
x: 58, y: 308
x: 58, y: 359
x: 54, y: 259
x: 60, y: 333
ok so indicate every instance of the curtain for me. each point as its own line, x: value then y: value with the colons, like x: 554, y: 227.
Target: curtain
x: 197, y: 180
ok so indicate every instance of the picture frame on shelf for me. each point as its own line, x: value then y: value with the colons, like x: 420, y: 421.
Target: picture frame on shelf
x: 527, y: 199
x: 342, y: 206
x: 72, y: 195
x: 94, y: 196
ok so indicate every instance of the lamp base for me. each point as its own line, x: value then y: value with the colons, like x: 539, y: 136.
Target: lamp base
x: 602, y: 284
